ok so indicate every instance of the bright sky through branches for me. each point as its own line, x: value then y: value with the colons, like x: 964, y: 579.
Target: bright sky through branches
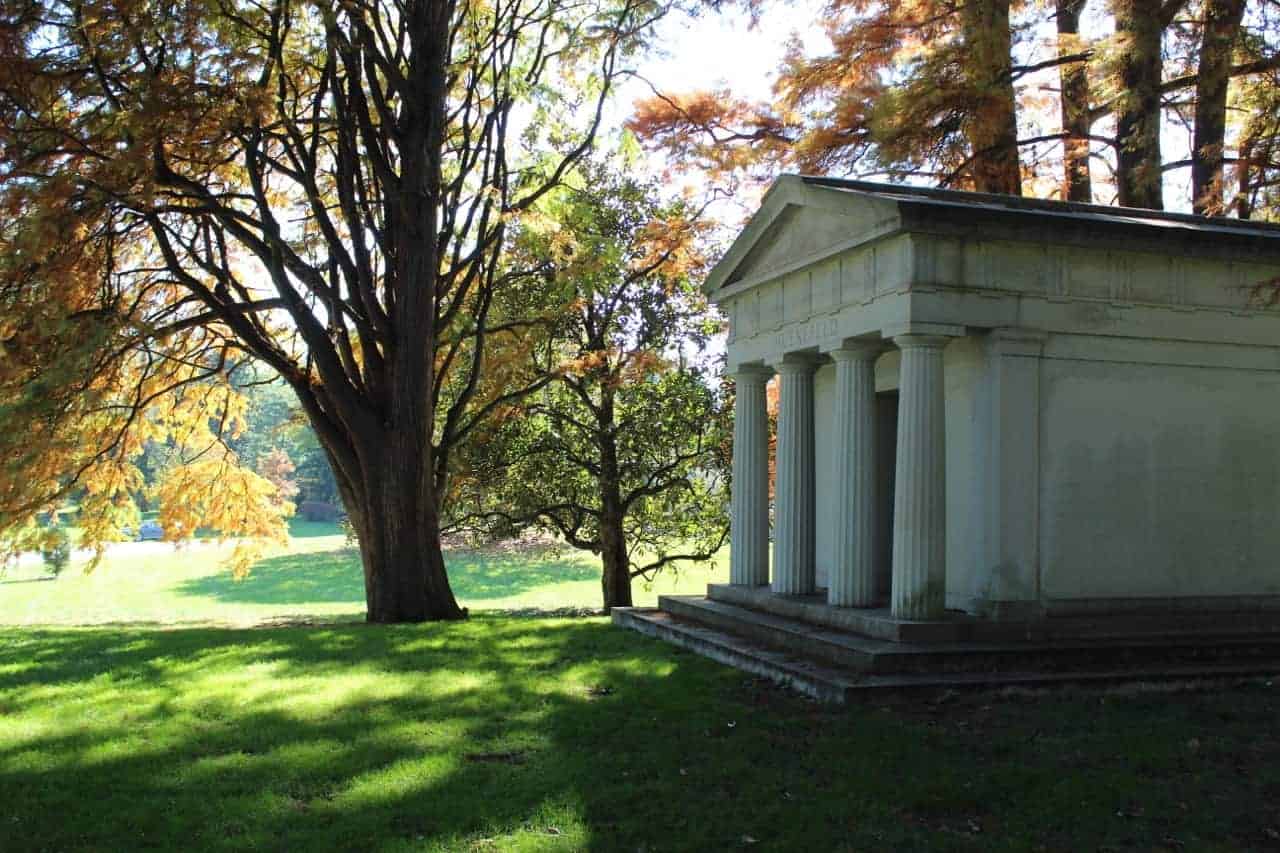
x: 722, y: 50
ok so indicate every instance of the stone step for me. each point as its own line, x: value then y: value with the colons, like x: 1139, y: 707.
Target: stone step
x: 813, y: 609
x: 843, y: 649
x: 817, y: 682
x: 838, y: 685
x: 955, y: 627
x: 871, y: 655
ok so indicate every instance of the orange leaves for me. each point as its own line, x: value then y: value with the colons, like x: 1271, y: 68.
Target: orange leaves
x: 220, y: 494
x: 888, y: 91
x: 585, y: 363
x: 277, y: 468
x: 712, y: 127
x: 674, y: 244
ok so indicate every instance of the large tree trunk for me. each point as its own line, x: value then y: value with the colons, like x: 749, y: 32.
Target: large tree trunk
x: 993, y: 126
x: 398, y: 527
x: 1221, y: 27
x: 405, y: 578
x: 1139, y: 163
x: 1077, y: 184
x: 1244, y: 204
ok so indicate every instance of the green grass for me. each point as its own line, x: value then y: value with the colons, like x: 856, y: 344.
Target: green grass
x: 515, y: 733
x: 508, y: 733
x: 318, y: 578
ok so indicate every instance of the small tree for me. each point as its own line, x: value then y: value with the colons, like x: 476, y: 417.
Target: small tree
x: 624, y: 452
x: 56, y: 550
x: 277, y: 468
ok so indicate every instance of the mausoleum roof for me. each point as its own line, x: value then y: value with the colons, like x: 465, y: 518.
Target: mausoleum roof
x: 1047, y: 207
x: 802, y: 219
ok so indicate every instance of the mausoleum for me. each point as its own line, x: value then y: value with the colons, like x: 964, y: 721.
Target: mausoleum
x: 1002, y: 408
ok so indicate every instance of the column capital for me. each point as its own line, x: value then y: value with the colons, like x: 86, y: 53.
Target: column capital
x: 797, y: 364
x: 859, y: 349
x: 930, y: 330
x: 752, y: 373
x: 915, y: 341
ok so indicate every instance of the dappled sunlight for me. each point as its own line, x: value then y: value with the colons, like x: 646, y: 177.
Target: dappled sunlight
x: 563, y: 734
x: 405, y: 730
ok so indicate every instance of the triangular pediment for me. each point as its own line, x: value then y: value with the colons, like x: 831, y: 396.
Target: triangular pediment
x: 800, y: 224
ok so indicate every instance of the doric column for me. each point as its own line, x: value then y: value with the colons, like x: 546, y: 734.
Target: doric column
x: 920, y: 490
x: 749, y: 516
x: 793, y: 556
x: 852, y: 579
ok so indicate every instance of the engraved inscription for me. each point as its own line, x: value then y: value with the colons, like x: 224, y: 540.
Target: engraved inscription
x: 807, y: 334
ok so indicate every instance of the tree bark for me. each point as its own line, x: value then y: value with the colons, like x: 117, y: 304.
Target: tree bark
x: 615, y: 581
x: 405, y: 576
x: 1077, y: 184
x: 1139, y: 174
x: 1221, y: 28
x: 398, y: 527
x: 993, y: 125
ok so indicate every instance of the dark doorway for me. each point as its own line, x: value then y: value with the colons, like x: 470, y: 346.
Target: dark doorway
x: 886, y: 472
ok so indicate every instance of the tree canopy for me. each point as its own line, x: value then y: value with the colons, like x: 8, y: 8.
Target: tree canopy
x: 623, y: 452
x: 191, y: 186
x: 1071, y: 98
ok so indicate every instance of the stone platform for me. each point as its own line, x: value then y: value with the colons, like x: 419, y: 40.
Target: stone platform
x: 831, y: 653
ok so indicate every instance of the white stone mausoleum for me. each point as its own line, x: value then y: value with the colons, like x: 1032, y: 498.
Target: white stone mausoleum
x: 1018, y: 409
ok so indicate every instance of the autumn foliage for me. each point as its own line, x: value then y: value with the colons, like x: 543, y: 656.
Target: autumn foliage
x: 1066, y: 98
x: 192, y: 187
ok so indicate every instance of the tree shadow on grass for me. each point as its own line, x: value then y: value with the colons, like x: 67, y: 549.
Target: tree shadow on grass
x: 337, y: 739
x: 505, y: 734
x: 335, y: 577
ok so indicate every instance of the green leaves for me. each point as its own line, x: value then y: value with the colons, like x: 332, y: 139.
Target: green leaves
x: 629, y: 437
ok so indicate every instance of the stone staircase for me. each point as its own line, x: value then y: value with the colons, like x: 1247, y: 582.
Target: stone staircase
x: 831, y: 653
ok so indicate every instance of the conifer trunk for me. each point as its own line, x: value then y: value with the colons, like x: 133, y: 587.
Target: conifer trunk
x: 395, y: 517
x: 1139, y: 162
x: 1221, y: 27
x: 1077, y: 184
x: 993, y: 126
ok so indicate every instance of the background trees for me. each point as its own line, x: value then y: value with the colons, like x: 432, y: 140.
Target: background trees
x: 193, y: 185
x: 1076, y: 98
x: 624, y: 451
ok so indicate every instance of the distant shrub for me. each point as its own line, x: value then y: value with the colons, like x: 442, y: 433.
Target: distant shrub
x: 349, y: 532
x: 57, y: 551
x: 319, y: 511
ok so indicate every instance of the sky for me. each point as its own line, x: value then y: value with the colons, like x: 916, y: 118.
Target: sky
x: 723, y: 50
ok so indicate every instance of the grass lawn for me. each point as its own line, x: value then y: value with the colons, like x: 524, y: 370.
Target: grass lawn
x: 508, y: 733
x: 318, y: 578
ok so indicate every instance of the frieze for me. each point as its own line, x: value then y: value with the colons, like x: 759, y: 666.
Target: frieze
x: 807, y: 334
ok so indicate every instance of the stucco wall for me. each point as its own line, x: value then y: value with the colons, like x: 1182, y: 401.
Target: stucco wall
x: 1160, y: 472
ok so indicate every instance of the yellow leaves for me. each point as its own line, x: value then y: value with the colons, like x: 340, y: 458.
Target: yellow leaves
x: 107, y: 507
x: 220, y: 494
x: 563, y: 245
